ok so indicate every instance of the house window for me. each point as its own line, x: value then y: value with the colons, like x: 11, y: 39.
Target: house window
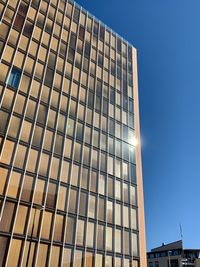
x: 14, y: 78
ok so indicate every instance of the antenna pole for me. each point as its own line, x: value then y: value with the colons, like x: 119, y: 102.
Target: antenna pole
x: 181, y: 232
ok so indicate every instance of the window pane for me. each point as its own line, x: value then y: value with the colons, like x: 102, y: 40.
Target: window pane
x: 80, y: 232
x: 21, y: 219
x: 66, y: 261
x: 42, y: 255
x: 14, y: 255
x: 70, y: 230
x: 27, y: 189
x: 7, y: 217
x: 55, y: 253
x: 78, y: 259
x: 3, y: 246
x: 58, y: 230
x: 47, y: 217
x: 14, y: 78
x: 14, y: 183
x: 7, y: 153
x: 90, y: 234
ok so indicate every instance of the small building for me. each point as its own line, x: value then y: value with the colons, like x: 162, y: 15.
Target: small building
x: 173, y: 255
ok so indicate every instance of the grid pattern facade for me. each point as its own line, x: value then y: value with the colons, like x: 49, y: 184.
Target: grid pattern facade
x: 68, y: 191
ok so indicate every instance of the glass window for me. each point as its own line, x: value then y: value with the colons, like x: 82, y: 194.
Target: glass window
x: 72, y: 201
x: 3, y: 249
x: 20, y: 222
x: 26, y: 131
x: 34, y: 217
x: 14, y: 126
x: 3, y: 70
x: 62, y: 195
x: 110, y: 187
x: 84, y: 180
x: 31, y: 108
x: 90, y: 234
x: 8, y: 99
x: 51, y: 195
x: 109, y: 212
x: 100, y: 236
x: 101, y: 209
x: 133, y: 219
x: 68, y: 148
x: 118, y: 241
x: 70, y: 230
x: 126, y: 216
x: 135, y: 263
x: 48, y: 140
x: 83, y: 204
x: 92, y: 206
x: 126, y: 193
x: 32, y: 161
x: 19, y: 104
x: 42, y: 255
x: 88, y: 259
x: 37, y: 136
x: 3, y: 175
x: 7, y: 217
x: 64, y: 176
x: 55, y: 255
x: 4, y: 121
x: 77, y: 152
x: 14, y: 255
x: 134, y: 244
x: 118, y: 214
x: 70, y: 127
x: 78, y: 258
x: 75, y: 174
x: 7, y: 153
x: 101, y: 186
x: 46, y: 225
x: 55, y: 167
x: 39, y: 192
x: 48, y: 81
x: 80, y: 232
x: 99, y: 260
x: 58, y: 228
x: 42, y: 113
x: 20, y: 156
x: 14, y: 78
x: 27, y: 188
x: 44, y: 163
x: 66, y: 260
x: 109, y: 236
x: 93, y: 181
x: 14, y: 184
x: 118, y: 262
x: 79, y: 131
x: 126, y: 235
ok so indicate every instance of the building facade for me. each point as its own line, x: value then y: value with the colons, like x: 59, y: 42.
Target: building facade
x: 173, y: 255
x: 70, y: 168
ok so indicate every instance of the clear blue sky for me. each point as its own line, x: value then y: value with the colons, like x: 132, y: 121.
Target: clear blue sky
x: 167, y: 36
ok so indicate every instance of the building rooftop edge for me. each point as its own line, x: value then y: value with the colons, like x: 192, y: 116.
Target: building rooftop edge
x: 167, y: 246
x: 106, y: 26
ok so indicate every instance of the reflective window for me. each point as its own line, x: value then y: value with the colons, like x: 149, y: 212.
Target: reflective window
x: 14, y: 78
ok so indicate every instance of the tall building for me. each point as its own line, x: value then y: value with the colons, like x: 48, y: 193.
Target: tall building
x: 173, y: 255
x: 70, y: 165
